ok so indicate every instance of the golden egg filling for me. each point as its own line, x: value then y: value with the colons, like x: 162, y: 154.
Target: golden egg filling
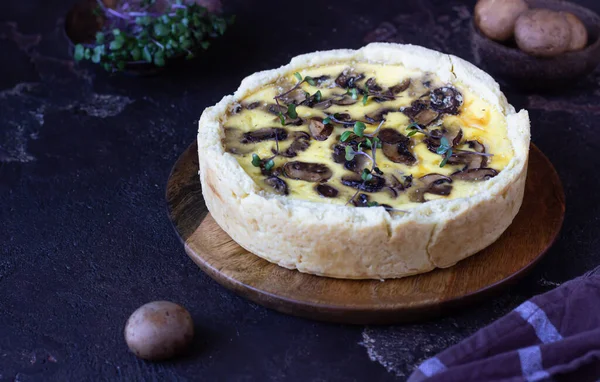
x: 366, y: 134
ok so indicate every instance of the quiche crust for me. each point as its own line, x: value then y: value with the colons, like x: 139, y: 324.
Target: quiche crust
x: 362, y: 243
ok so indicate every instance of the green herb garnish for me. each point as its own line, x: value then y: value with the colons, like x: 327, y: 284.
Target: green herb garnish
x: 269, y: 165
x: 327, y: 120
x: 372, y: 204
x: 281, y: 118
x: 444, y: 149
x: 353, y: 93
x: 298, y: 76
x: 255, y: 160
x: 350, y: 153
x: 366, y: 175
x: 310, y: 80
x: 365, y: 99
x: 345, y: 136
x: 318, y: 96
x: 292, y: 111
x: 133, y: 33
x: 359, y: 128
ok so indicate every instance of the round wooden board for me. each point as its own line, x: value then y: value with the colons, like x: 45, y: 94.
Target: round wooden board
x: 367, y: 301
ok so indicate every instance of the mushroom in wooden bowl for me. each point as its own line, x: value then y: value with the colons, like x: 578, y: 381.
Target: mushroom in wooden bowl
x: 549, y: 43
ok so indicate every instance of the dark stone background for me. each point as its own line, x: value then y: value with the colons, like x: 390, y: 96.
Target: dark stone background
x: 84, y: 158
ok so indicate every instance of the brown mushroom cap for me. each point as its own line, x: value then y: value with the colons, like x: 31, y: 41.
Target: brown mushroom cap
x: 310, y: 172
x: 361, y: 200
x: 437, y: 184
x: 348, y: 80
x: 278, y: 185
x: 355, y: 181
x: 301, y: 143
x: 265, y: 134
x: 378, y: 115
x: 397, y: 89
x: 326, y: 191
x: 470, y: 159
x: 446, y: 100
x: 475, y: 174
x: 319, y: 130
x: 420, y: 112
x: 433, y: 141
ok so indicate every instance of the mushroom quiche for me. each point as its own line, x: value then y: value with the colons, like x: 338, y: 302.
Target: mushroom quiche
x: 381, y: 162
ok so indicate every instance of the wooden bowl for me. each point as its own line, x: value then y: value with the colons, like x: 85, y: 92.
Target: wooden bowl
x: 507, y: 62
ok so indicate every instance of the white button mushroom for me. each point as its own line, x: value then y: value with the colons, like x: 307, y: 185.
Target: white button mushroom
x: 159, y: 330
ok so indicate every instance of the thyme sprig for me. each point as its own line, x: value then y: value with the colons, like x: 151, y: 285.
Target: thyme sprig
x: 134, y: 35
x: 444, y: 149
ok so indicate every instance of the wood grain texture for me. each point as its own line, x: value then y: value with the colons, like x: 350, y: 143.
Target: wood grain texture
x: 367, y: 301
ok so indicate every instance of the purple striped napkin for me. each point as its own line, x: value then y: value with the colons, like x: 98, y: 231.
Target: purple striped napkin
x: 552, y: 337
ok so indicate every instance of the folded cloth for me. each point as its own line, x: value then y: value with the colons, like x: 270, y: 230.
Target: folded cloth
x: 552, y: 337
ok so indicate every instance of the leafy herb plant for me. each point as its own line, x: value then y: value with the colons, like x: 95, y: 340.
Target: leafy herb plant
x: 140, y: 34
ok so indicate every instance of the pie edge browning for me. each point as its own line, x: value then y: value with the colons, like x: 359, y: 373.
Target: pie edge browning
x: 362, y: 243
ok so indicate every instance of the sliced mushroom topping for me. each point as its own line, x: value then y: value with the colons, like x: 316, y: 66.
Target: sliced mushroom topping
x: 345, y: 100
x: 301, y: 143
x: 357, y: 164
x: 339, y: 153
x: 310, y: 172
x: 475, y: 174
x: 355, y: 181
x: 420, y: 112
x: 326, y: 191
x: 279, y: 185
x: 342, y: 117
x: 378, y: 115
x: 396, y: 89
x: 395, y: 186
x: 437, y: 184
x: 476, y: 146
x: 392, y: 136
x: 275, y: 109
x: 398, y: 153
x: 319, y: 130
x: 453, y: 136
x: 471, y: 160
x: 446, y: 100
x: 361, y: 200
x: 325, y: 104
x: 321, y: 79
x: 232, y: 142
x: 372, y: 85
x: 265, y: 134
x: 252, y: 106
x: 347, y: 80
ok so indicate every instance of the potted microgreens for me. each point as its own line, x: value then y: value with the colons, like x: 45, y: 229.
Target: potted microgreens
x: 141, y: 35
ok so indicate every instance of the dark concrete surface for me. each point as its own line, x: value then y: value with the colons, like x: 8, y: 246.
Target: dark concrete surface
x: 84, y: 158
